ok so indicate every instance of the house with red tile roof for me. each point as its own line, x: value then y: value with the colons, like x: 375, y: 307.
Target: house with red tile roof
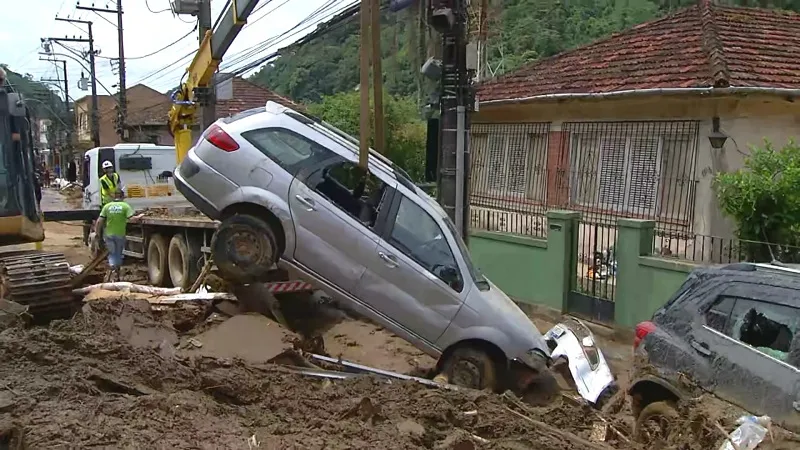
x: 148, y: 119
x: 637, y: 125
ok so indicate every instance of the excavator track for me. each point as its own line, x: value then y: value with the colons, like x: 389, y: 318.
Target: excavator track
x: 39, y: 280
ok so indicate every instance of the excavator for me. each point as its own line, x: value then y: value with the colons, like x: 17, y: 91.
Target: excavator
x: 35, y: 279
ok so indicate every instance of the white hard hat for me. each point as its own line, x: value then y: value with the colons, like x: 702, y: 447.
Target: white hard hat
x: 107, y: 165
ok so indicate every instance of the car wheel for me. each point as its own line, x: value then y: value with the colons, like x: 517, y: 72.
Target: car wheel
x: 472, y: 368
x: 157, y: 271
x: 655, y: 422
x: 244, y: 249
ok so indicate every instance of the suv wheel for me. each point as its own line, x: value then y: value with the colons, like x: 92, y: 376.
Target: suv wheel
x: 244, y: 249
x: 655, y: 422
x: 471, y: 368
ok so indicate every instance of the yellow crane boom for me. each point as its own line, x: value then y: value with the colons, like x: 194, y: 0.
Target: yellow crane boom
x: 200, y: 73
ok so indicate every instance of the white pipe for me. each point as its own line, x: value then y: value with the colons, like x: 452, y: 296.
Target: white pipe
x: 192, y: 297
x: 460, y: 125
x: 733, y: 90
x: 127, y: 286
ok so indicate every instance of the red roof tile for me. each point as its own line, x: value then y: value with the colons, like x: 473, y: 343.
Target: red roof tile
x: 248, y: 95
x: 701, y: 46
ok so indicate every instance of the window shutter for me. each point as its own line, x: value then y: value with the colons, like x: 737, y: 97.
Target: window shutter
x: 644, y: 175
x: 517, y: 169
x: 496, y: 170
x: 612, y: 172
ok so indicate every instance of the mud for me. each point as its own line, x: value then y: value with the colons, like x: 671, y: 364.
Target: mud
x: 112, y: 378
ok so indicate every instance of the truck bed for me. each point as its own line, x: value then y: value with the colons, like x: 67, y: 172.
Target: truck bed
x: 174, y: 217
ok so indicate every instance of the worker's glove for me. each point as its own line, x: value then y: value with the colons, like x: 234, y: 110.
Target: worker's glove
x: 96, y: 244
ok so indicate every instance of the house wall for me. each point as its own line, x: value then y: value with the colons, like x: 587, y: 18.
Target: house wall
x: 747, y: 121
x: 83, y: 108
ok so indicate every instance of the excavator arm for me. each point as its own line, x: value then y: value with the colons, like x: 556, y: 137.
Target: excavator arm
x: 200, y: 73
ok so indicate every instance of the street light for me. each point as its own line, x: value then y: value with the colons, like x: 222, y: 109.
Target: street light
x: 717, y: 138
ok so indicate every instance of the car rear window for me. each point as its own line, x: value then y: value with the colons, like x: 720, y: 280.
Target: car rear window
x: 287, y: 149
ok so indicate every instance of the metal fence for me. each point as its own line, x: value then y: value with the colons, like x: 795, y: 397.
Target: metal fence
x: 702, y: 249
x: 508, y: 182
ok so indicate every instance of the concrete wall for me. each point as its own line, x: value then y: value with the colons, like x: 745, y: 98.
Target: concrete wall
x: 746, y: 120
x: 544, y: 271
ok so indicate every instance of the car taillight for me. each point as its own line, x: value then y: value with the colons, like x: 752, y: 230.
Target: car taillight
x: 642, y: 330
x: 220, y: 139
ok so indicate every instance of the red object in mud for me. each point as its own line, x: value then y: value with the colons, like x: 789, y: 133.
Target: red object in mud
x: 220, y: 139
x: 642, y: 330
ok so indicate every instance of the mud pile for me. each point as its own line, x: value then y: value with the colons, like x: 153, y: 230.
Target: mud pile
x: 112, y: 378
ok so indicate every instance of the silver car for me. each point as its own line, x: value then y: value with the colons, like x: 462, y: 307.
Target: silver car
x: 288, y: 189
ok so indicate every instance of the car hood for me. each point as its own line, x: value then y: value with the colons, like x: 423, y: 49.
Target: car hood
x: 511, y: 319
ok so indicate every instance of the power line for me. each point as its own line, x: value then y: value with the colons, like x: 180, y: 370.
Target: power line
x: 147, y: 3
x: 156, y: 51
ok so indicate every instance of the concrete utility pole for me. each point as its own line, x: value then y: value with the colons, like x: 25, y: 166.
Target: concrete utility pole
x: 449, y: 17
x: 377, y: 76
x: 66, y: 97
x: 208, y: 111
x: 122, y: 128
x: 95, y: 113
x: 363, y: 87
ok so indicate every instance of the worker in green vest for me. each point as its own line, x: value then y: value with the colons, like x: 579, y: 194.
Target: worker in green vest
x: 109, y: 183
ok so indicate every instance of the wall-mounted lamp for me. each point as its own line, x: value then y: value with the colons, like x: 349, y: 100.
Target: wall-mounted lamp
x: 717, y: 138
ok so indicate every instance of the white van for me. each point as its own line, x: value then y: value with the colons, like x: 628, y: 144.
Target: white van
x: 145, y: 171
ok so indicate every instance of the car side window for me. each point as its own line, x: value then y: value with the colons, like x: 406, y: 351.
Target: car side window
x: 355, y: 191
x: 717, y: 315
x: 285, y: 148
x: 417, y: 235
x: 769, y: 328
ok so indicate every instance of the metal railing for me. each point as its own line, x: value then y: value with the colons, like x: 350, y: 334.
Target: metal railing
x: 710, y: 250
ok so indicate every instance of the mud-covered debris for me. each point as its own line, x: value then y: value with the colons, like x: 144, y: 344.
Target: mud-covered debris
x: 109, y: 383
x: 411, y: 428
x: 365, y: 410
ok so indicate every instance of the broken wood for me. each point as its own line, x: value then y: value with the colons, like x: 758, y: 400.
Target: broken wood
x: 89, y: 268
x: 203, y: 274
x: 566, y: 435
x: 172, y: 299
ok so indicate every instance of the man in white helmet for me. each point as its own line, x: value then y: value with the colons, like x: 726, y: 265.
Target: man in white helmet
x: 109, y: 183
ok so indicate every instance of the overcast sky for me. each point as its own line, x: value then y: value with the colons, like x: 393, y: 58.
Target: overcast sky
x: 148, y: 26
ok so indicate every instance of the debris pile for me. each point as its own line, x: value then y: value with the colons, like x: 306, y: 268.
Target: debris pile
x: 115, y: 376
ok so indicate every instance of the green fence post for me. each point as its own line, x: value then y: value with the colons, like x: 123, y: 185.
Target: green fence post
x: 562, y: 258
x: 634, y: 239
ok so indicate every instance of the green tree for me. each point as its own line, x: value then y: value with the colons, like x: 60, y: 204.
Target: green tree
x: 764, y: 201
x: 405, y: 136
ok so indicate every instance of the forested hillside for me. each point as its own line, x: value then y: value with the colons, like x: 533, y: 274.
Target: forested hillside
x: 520, y: 31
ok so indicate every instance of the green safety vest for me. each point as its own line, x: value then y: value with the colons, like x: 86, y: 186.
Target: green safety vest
x: 108, y: 186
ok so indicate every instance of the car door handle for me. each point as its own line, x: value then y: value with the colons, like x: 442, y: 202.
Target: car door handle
x: 701, y: 348
x: 390, y: 260
x: 307, y: 202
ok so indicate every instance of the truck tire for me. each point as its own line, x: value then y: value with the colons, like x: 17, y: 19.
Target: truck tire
x: 182, y: 261
x: 157, y: 270
x: 244, y: 249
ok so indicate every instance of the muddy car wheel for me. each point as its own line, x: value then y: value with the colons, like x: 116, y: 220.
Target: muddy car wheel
x: 472, y: 368
x: 655, y: 422
x: 244, y: 248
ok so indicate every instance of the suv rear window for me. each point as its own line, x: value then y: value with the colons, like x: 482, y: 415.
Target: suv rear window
x: 287, y: 149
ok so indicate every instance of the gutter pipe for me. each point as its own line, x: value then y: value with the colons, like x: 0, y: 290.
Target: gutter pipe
x: 733, y: 90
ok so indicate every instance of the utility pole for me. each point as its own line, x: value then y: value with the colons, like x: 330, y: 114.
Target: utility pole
x: 122, y: 128
x: 449, y: 17
x: 377, y: 76
x: 66, y: 98
x: 363, y: 88
x: 208, y: 111
x: 95, y: 113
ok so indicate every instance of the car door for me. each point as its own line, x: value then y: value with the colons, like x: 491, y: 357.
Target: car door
x: 405, y: 275
x: 749, y: 354
x: 333, y: 241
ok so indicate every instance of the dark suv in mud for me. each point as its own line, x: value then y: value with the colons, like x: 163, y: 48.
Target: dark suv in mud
x: 733, y: 331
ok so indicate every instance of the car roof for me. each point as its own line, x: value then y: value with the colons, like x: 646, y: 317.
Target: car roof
x: 759, y: 276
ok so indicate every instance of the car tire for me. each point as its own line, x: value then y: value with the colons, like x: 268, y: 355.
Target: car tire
x: 182, y: 261
x: 472, y: 368
x: 657, y: 417
x: 157, y: 270
x: 244, y: 249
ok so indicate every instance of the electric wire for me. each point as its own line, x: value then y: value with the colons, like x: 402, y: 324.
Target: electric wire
x: 147, y: 4
x: 155, y: 52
